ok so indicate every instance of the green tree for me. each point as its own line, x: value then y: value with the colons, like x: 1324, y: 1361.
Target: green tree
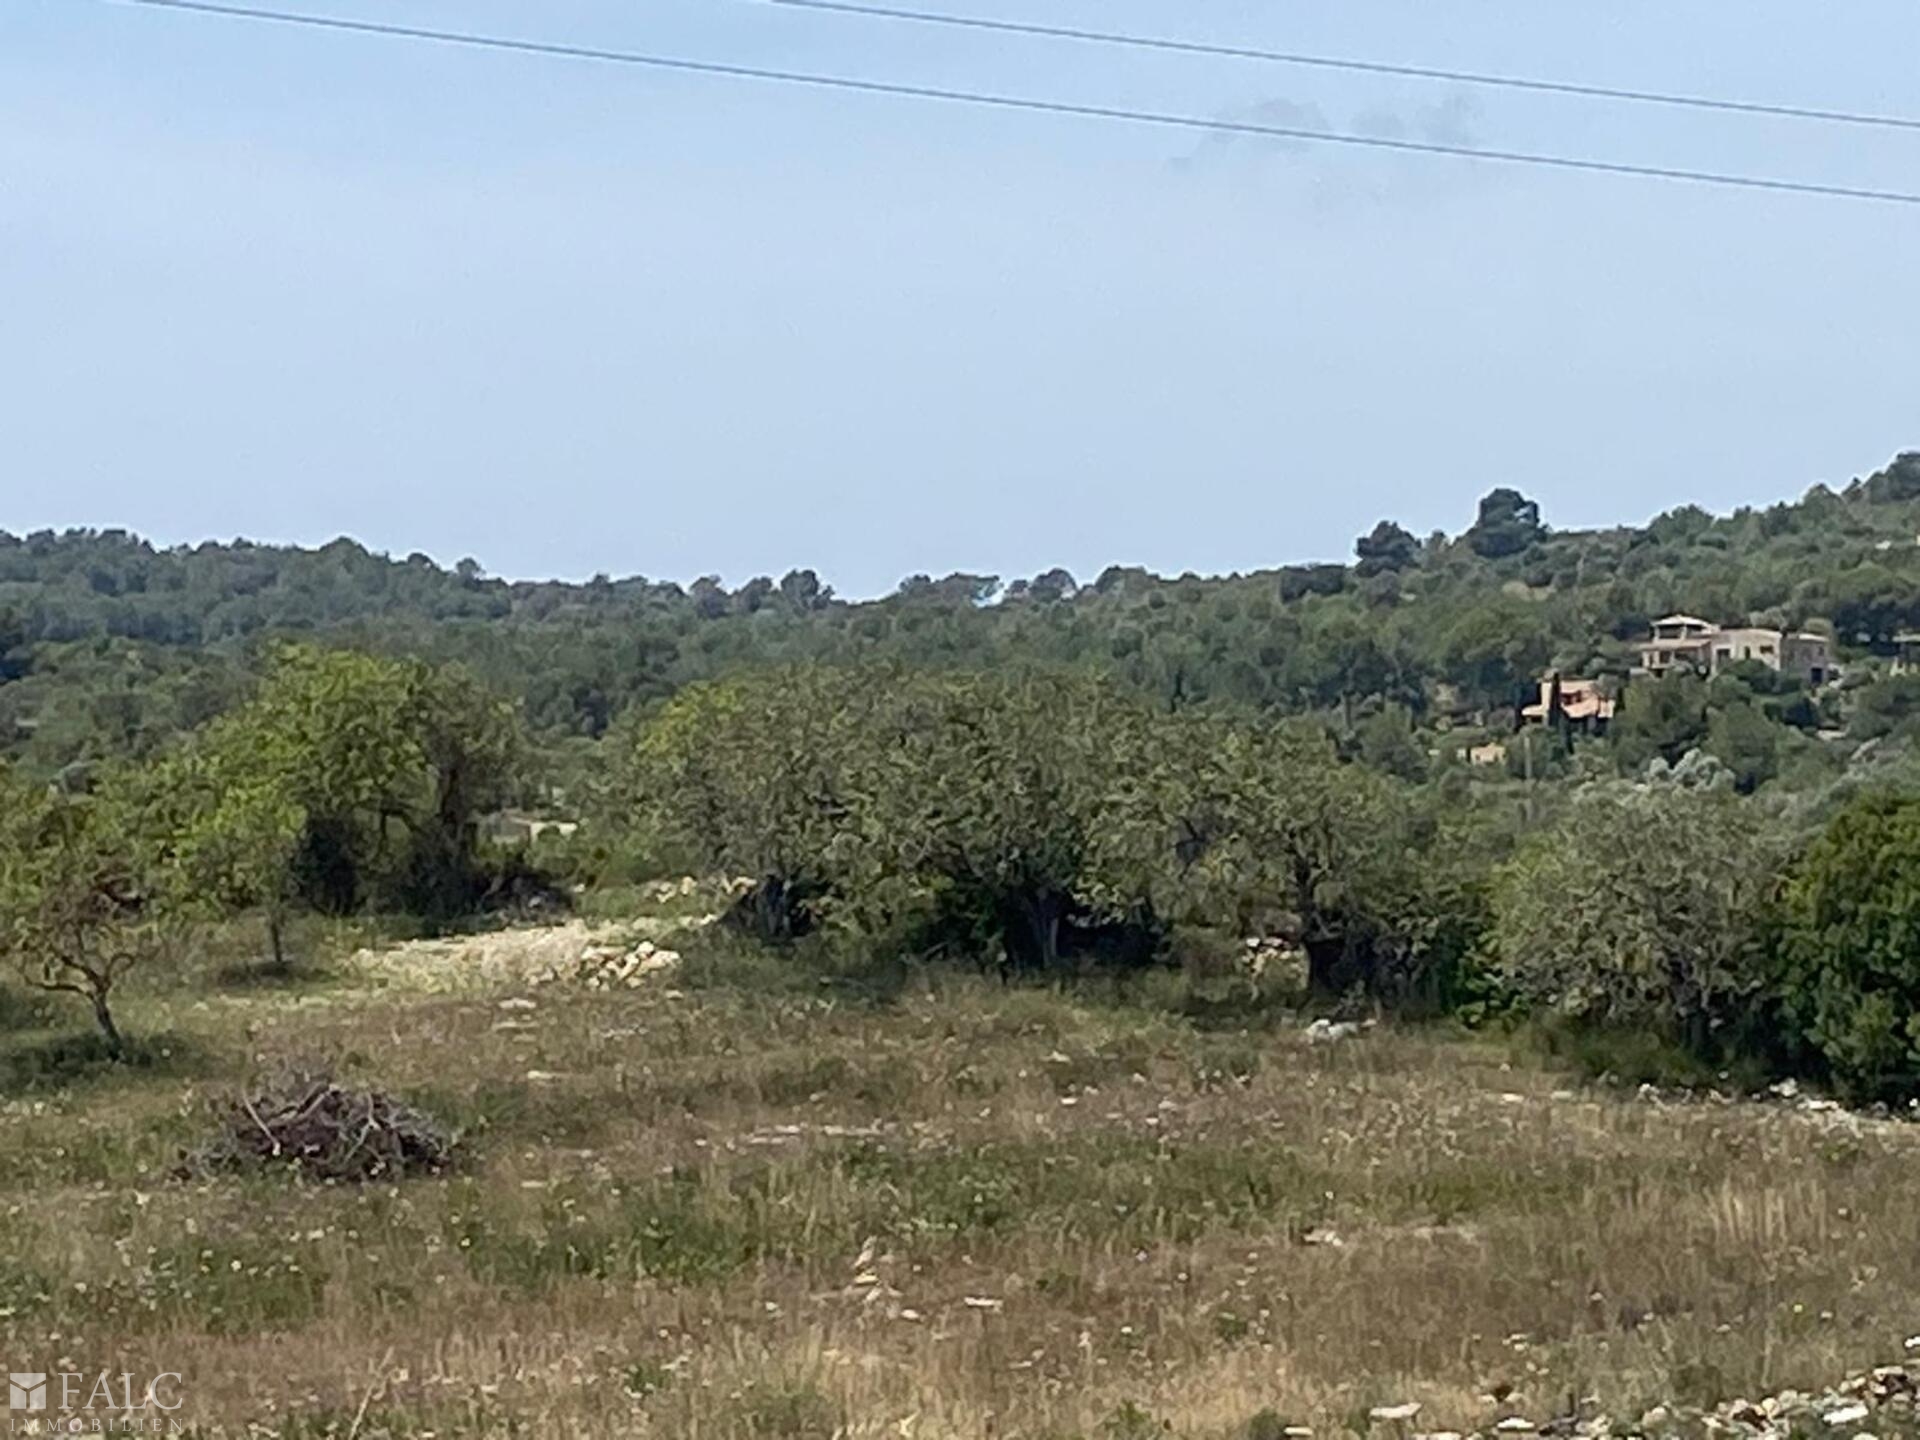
x: 988, y: 798
x: 83, y: 897
x: 751, y: 777
x: 1495, y: 652
x: 1898, y: 483
x: 1659, y: 719
x: 1747, y: 742
x: 1247, y: 827
x: 1640, y: 905
x: 1389, y: 744
x: 235, y: 829
x: 1508, y: 523
x: 384, y: 765
x: 1849, y: 947
x: 15, y: 659
x: 1386, y: 547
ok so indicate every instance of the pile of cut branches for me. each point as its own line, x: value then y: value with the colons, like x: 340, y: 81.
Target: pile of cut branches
x: 305, y: 1121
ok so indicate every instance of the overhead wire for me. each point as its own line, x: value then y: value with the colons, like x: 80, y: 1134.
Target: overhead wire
x: 1024, y: 103
x: 1339, y: 62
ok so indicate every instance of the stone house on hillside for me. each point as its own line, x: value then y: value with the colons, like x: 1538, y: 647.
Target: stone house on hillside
x: 1688, y: 642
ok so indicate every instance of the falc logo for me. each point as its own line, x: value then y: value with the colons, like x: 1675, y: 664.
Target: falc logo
x: 123, y: 1403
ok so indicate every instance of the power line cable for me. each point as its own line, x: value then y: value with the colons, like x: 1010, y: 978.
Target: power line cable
x: 1027, y: 103
x: 1367, y: 67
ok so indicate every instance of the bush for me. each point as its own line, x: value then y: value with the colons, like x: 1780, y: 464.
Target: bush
x: 1849, y: 948
x: 1641, y: 906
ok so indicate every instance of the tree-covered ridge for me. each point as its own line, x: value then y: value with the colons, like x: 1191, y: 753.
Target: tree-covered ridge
x: 98, y: 625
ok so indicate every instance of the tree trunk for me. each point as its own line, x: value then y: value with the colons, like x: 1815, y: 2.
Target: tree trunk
x: 1329, y: 972
x: 771, y: 911
x: 775, y: 906
x: 116, y: 1046
x: 275, y: 940
x: 1033, y: 939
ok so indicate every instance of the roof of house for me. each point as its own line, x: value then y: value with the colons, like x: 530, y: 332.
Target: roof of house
x: 1579, y: 700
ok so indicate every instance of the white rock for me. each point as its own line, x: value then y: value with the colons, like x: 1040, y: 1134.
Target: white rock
x: 1324, y: 1031
x: 1846, y: 1415
x: 1515, y: 1425
x: 1404, y: 1411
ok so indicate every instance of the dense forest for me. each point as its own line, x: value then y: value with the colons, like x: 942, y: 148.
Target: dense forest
x: 109, y: 646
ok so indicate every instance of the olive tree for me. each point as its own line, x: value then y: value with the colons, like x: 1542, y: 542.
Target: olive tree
x: 1641, y: 905
x: 889, y: 800
x: 993, y: 796
x: 751, y: 777
x: 83, y: 897
x: 1236, y: 823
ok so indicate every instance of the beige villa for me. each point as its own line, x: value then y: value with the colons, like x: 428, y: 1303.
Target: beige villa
x: 1686, y: 641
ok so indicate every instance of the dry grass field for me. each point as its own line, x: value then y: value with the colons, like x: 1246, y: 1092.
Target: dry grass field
x: 741, y: 1199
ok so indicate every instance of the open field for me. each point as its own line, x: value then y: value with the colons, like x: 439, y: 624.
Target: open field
x: 739, y: 1199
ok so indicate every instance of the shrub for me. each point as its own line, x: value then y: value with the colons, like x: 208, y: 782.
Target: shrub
x: 1849, y: 947
x: 1641, y: 906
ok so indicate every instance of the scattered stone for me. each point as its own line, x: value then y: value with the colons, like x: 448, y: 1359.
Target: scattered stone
x: 1326, y: 1032
x: 599, y: 956
x: 1395, y: 1413
x: 1846, y: 1415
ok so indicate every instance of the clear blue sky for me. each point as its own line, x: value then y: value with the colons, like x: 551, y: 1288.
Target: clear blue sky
x: 570, y: 318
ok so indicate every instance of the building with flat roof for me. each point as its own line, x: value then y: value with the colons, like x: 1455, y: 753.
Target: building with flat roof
x: 1688, y: 642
